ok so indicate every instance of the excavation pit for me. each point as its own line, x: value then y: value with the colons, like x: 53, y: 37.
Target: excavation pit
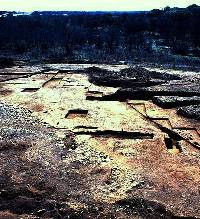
x: 30, y: 90
x: 52, y: 83
x: 76, y: 113
x: 172, y: 146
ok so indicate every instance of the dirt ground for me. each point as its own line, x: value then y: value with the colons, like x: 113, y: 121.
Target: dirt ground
x: 73, y: 146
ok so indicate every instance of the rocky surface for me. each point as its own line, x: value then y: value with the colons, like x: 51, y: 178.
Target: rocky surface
x: 128, y: 77
x: 190, y: 111
x: 70, y: 149
x: 175, y: 101
x: 37, y: 182
x: 174, y: 89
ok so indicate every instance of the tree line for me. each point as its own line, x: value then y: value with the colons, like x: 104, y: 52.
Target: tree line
x: 106, y: 36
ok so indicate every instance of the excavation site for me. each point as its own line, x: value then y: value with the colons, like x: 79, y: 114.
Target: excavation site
x: 99, y: 109
x: 99, y: 141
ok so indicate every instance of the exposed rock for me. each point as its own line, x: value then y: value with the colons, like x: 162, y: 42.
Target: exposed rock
x: 130, y: 77
x: 176, y: 88
x: 145, y: 208
x: 172, y: 90
x: 175, y: 101
x: 190, y: 111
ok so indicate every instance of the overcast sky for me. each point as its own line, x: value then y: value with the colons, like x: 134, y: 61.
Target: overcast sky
x: 91, y: 5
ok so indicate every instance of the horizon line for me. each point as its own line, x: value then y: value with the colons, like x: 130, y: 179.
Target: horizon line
x: 58, y: 10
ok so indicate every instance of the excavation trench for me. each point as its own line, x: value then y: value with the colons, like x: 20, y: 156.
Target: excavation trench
x: 174, y: 137
x: 140, y: 94
x: 117, y: 148
x: 117, y: 134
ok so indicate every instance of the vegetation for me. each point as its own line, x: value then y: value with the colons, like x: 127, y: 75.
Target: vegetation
x: 100, y: 37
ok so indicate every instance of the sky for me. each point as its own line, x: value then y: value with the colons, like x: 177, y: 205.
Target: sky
x: 91, y: 5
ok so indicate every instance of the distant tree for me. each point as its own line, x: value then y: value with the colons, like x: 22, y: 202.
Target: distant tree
x: 167, y: 9
x: 101, y: 34
x: 21, y: 46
